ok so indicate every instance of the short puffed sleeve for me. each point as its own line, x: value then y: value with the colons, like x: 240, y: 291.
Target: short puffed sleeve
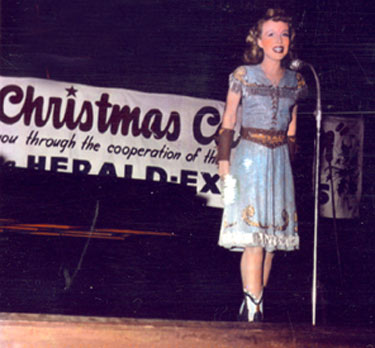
x: 237, y: 79
x: 302, y: 90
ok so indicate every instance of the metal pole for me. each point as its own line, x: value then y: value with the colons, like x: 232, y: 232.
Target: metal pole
x: 318, y: 115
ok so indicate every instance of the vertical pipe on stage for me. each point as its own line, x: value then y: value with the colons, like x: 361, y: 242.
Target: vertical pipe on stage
x: 318, y: 116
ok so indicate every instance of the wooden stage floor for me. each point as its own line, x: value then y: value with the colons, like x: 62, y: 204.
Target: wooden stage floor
x: 41, y: 331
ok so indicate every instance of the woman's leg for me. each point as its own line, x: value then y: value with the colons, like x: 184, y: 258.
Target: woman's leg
x: 252, y: 270
x: 267, y: 267
x: 252, y: 281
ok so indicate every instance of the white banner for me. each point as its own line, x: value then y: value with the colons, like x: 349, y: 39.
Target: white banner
x: 79, y: 129
x: 341, y: 166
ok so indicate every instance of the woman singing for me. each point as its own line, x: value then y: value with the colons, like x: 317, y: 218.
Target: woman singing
x: 258, y: 192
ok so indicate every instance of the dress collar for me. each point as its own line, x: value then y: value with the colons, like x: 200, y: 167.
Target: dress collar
x: 266, y: 81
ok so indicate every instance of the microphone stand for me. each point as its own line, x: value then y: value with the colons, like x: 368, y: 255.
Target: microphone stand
x: 296, y: 65
x: 318, y: 117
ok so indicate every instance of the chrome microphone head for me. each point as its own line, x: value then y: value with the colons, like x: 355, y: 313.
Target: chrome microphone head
x: 296, y: 64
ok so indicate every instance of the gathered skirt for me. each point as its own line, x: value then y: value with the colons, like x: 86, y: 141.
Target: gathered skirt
x: 263, y: 213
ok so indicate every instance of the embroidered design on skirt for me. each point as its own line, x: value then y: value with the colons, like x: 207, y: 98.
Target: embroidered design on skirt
x: 249, y: 211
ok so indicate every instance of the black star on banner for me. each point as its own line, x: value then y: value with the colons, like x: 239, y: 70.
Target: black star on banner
x: 71, y: 91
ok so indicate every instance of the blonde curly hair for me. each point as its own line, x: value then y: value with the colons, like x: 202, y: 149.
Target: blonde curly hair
x: 253, y: 53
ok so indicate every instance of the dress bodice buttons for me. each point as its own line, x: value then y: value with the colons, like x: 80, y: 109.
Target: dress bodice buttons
x: 264, y: 104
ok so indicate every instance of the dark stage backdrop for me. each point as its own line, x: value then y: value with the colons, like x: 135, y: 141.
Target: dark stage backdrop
x: 186, y: 48
x: 189, y: 48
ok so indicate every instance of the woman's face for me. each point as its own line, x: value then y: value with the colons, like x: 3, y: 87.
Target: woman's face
x: 274, y: 40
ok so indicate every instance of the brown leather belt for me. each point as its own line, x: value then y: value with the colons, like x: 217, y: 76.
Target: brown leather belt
x: 266, y: 137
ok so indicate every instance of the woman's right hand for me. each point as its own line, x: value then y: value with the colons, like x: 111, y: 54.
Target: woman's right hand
x: 223, y: 168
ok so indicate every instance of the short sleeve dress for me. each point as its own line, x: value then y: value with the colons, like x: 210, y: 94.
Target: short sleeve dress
x: 263, y: 213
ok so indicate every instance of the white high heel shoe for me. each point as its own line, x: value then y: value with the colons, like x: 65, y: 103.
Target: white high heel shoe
x: 251, y: 309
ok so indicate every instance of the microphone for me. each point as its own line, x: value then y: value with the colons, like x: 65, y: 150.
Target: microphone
x: 296, y: 64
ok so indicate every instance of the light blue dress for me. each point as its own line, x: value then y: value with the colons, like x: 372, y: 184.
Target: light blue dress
x: 263, y: 213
